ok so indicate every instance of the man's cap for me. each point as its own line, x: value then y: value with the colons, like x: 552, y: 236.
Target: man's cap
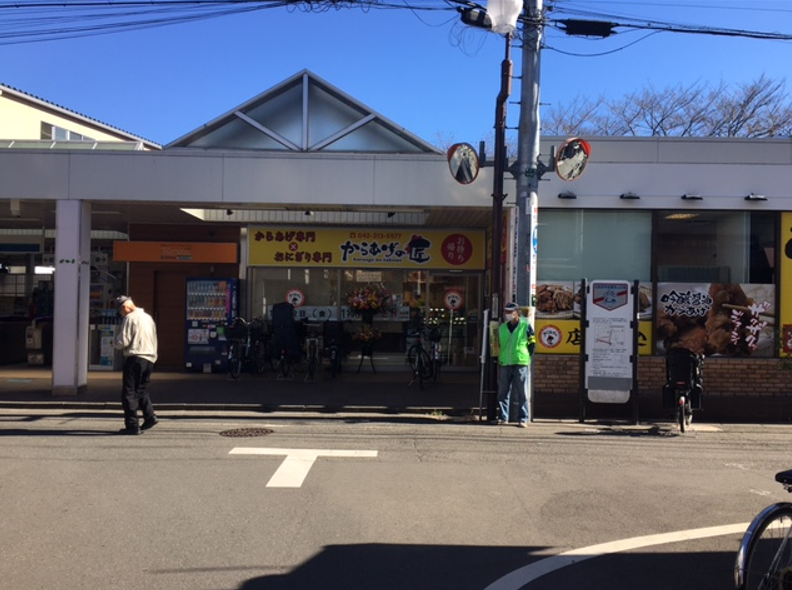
x: 510, y: 307
x: 121, y: 299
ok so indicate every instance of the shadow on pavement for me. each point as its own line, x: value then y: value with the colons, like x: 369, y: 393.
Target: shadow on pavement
x: 422, y: 567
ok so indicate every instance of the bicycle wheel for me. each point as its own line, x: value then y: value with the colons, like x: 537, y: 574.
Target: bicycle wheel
x: 764, y: 560
x: 419, y: 359
x: 260, y: 359
x: 310, y: 368
x: 681, y: 413
x: 688, y: 412
x: 235, y: 359
x: 436, y: 362
x: 335, y: 362
x: 284, y: 365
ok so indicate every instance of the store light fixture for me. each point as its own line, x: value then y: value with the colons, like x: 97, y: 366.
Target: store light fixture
x: 629, y: 196
x: 308, y: 213
x: 691, y: 197
x: 681, y: 216
x: 755, y: 197
x: 567, y: 195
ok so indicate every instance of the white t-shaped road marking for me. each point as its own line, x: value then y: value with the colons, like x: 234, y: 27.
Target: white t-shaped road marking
x: 298, y: 462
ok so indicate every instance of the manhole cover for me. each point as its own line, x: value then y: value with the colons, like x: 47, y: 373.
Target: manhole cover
x: 246, y: 432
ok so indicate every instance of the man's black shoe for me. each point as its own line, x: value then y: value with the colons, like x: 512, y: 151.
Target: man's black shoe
x: 149, y: 423
x: 129, y: 431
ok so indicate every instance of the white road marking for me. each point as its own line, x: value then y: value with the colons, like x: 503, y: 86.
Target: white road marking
x: 525, y: 575
x: 298, y: 462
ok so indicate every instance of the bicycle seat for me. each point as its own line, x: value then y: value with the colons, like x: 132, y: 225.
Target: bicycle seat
x: 784, y: 477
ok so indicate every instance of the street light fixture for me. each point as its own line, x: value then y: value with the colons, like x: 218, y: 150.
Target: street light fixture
x: 504, y: 15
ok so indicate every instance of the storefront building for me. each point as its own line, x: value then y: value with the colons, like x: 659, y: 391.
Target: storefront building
x: 323, y: 197
x: 703, y: 225
x: 410, y: 278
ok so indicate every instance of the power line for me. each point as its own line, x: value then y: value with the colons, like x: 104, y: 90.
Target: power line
x: 30, y: 21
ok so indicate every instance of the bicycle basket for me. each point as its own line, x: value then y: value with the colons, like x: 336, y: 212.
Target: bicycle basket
x: 258, y: 329
x: 435, y: 335
x: 236, y: 331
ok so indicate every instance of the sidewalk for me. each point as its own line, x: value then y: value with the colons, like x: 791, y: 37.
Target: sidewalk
x: 383, y: 392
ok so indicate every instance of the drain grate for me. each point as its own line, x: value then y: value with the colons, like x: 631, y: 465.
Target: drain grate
x: 246, y: 432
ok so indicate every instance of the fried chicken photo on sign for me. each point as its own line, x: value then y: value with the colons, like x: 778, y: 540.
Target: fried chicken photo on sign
x: 681, y: 331
x: 721, y: 324
x: 554, y: 299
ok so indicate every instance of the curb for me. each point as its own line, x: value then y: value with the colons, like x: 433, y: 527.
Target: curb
x: 257, y: 408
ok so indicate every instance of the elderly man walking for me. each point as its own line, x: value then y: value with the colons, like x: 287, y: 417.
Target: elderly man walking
x: 138, y: 339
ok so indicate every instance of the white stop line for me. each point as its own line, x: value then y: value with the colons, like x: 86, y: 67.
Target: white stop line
x: 520, y: 577
x: 298, y: 462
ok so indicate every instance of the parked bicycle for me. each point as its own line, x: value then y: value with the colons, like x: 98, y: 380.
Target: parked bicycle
x: 312, y: 360
x: 246, y: 345
x: 435, y: 348
x: 287, y: 340
x: 424, y: 365
x: 334, y: 341
x: 764, y: 560
x: 684, y: 388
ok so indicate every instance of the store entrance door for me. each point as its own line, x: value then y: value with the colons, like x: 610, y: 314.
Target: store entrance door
x: 169, y: 306
x: 455, y: 309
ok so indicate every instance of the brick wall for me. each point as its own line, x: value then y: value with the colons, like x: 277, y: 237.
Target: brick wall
x: 735, y: 390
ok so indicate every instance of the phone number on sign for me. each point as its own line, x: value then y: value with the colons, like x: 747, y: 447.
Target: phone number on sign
x: 369, y: 235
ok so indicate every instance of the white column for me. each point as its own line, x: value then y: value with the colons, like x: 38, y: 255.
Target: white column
x: 72, y: 294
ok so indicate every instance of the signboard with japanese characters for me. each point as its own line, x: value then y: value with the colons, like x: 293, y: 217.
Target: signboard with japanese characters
x: 565, y: 336
x: 716, y: 319
x: 610, y: 341
x: 785, y: 282
x: 558, y: 329
x: 376, y: 248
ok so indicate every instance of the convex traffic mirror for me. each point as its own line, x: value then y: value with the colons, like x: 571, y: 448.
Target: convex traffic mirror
x: 463, y: 162
x: 572, y: 158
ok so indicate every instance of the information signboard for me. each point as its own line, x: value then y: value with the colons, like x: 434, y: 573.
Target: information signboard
x: 609, y: 341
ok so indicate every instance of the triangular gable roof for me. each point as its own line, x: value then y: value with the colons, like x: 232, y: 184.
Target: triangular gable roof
x: 25, y: 97
x: 304, y: 114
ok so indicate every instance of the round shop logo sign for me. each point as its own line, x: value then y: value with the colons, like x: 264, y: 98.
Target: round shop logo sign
x: 457, y: 249
x: 295, y: 297
x: 454, y: 300
x: 550, y: 336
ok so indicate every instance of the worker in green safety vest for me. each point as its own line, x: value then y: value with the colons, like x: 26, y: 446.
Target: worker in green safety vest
x: 517, y: 342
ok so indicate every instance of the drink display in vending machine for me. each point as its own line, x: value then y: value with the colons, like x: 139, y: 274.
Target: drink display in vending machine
x: 211, y: 306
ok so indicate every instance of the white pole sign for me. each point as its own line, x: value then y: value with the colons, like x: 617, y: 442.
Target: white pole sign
x: 609, y: 338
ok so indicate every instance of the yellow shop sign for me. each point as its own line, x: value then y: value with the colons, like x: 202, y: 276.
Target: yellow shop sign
x: 388, y: 248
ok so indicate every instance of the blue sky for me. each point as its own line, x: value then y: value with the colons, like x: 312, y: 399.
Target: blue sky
x: 425, y: 71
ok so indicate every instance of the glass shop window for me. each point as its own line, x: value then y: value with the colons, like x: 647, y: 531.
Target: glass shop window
x: 594, y: 245
x: 381, y: 286
x: 716, y: 246
x: 313, y: 291
x: 715, y: 293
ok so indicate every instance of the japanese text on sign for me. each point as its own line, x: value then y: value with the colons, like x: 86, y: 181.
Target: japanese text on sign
x: 689, y: 303
x: 338, y: 247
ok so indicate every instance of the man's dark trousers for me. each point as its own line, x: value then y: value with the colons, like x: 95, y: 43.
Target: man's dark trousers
x: 134, y: 392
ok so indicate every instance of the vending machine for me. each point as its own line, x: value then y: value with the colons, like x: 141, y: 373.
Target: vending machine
x: 211, y: 306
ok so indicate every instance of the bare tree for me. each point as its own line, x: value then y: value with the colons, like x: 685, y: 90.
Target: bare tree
x: 761, y: 108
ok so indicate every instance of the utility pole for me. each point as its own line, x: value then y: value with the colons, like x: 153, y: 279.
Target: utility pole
x: 496, y: 271
x: 528, y: 165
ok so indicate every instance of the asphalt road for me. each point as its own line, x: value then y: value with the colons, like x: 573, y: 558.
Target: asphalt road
x: 375, y: 502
